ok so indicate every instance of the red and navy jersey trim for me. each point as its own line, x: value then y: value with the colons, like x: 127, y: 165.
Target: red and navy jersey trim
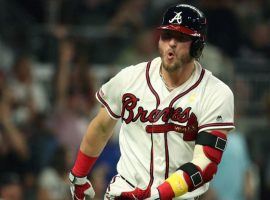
x: 229, y: 124
x: 150, y: 85
x: 106, y: 105
x: 157, y: 104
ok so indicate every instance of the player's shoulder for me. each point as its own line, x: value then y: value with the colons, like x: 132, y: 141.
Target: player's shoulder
x: 215, y: 85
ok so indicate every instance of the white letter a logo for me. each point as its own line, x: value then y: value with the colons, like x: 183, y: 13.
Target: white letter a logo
x: 177, y: 18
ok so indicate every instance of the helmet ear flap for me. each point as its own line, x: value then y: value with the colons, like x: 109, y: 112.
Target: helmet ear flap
x: 196, y: 48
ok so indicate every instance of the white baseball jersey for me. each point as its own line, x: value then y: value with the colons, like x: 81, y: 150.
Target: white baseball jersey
x: 159, y: 127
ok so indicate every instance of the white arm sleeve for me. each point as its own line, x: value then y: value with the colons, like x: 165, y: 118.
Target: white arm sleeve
x: 217, y: 111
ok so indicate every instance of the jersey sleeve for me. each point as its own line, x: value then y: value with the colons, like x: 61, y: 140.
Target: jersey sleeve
x: 110, y: 94
x: 217, y: 110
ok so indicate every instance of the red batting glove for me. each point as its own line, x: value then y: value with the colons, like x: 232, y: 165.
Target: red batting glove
x: 137, y: 194
x: 81, y: 188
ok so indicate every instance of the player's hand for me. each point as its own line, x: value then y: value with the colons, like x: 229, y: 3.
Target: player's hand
x: 137, y: 194
x: 81, y: 188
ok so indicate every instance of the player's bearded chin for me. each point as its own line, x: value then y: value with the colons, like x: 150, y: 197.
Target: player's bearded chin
x: 177, y: 64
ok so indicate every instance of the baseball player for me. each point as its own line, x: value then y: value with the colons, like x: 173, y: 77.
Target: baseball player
x: 175, y: 117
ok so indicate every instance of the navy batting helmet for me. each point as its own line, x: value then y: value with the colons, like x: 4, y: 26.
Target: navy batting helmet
x: 189, y: 20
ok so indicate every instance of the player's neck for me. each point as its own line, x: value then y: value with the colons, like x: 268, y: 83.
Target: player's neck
x: 176, y: 78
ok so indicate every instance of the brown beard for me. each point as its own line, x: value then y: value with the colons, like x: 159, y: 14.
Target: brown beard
x: 178, y: 64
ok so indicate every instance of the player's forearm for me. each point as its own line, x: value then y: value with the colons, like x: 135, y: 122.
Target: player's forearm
x: 95, y: 139
x: 97, y: 135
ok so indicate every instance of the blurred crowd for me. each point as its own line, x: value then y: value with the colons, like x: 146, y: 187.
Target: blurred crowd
x: 55, y: 54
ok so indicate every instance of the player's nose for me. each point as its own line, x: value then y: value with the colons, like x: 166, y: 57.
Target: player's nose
x: 172, y: 42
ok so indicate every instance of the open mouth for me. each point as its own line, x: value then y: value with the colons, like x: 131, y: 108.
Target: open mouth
x: 170, y: 55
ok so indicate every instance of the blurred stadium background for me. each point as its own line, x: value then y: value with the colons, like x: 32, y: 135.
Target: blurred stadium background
x: 55, y: 54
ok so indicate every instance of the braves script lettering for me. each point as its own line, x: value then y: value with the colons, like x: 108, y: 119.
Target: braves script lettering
x: 129, y: 114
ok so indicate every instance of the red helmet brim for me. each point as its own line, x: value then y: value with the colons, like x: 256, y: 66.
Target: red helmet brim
x: 181, y: 29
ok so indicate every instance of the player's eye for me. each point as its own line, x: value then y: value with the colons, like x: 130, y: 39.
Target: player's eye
x: 183, y: 38
x: 165, y: 35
